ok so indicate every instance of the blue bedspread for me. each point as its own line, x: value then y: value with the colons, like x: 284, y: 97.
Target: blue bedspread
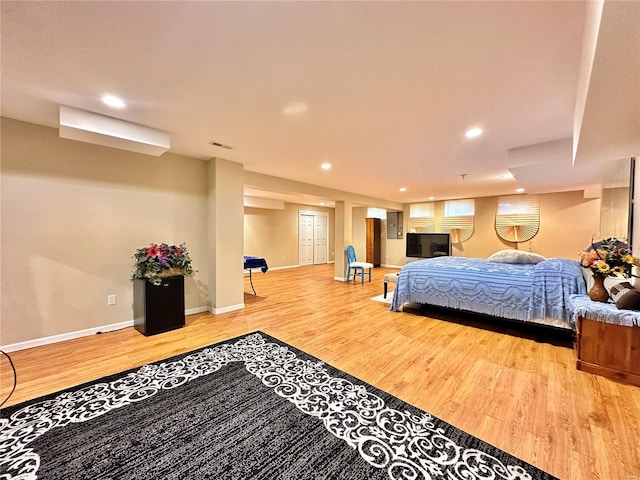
x: 515, y: 291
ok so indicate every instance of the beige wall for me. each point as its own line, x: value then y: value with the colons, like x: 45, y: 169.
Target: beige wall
x: 273, y: 234
x: 614, y: 219
x: 343, y: 221
x: 359, y: 232
x: 567, y: 223
x: 394, y: 251
x: 224, y: 233
x: 73, y: 215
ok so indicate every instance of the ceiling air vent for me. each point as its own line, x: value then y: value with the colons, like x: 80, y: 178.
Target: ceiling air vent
x: 221, y: 145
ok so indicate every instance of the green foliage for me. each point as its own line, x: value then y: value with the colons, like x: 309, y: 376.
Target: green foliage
x: 157, y: 261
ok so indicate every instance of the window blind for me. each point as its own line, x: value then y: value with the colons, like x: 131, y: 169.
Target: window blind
x: 459, y: 208
x: 458, y: 219
x: 376, y: 213
x: 517, y: 217
x: 421, y: 218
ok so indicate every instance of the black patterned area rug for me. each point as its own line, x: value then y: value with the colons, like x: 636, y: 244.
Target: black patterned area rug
x: 248, y: 408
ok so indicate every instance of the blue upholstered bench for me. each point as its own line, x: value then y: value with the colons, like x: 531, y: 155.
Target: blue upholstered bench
x: 583, y: 306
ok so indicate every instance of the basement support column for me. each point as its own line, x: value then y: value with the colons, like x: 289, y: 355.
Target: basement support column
x: 343, y: 236
x: 225, y: 235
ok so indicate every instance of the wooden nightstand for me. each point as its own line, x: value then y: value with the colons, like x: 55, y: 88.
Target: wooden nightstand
x: 604, y: 346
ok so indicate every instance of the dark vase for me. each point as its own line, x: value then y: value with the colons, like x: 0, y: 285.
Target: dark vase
x: 158, y: 308
x: 598, y: 292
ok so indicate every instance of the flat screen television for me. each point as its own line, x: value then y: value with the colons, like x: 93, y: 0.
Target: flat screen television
x: 428, y: 245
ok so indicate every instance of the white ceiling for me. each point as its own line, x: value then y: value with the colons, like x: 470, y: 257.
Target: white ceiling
x: 390, y: 87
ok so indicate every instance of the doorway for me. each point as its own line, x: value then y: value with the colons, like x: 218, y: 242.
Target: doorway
x: 313, y: 238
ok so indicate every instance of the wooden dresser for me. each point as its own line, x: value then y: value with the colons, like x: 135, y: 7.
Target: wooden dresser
x: 608, y: 349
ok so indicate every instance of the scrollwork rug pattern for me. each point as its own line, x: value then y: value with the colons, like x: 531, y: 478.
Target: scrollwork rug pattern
x: 251, y: 407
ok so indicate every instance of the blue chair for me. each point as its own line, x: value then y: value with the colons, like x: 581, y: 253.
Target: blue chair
x: 358, y: 268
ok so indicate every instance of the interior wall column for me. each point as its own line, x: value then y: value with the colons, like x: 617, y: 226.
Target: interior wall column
x: 225, y: 235
x: 343, y: 234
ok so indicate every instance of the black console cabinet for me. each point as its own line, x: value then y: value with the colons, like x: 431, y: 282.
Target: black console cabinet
x: 158, y: 309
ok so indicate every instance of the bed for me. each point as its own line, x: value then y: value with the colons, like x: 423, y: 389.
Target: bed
x: 528, y: 292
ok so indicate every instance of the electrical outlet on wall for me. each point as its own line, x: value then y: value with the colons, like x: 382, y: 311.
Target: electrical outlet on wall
x: 111, y: 299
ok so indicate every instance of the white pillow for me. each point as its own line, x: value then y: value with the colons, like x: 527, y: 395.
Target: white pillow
x: 516, y: 256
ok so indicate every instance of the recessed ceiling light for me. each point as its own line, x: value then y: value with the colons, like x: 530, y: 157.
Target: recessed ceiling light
x: 326, y: 166
x: 473, y: 132
x: 431, y: 198
x: 403, y: 189
x: 113, y: 101
x: 520, y: 190
x: 322, y: 204
x: 295, y: 108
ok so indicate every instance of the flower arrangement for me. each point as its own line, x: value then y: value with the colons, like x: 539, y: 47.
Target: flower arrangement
x: 609, y: 257
x: 157, y: 261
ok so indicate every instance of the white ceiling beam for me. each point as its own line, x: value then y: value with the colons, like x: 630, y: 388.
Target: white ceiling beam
x: 608, y: 128
x: 90, y: 127
x: 258, y: 202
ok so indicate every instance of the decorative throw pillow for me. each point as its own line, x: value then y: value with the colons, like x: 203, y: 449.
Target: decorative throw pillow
x: 515, y: 256
x: 625, y: 296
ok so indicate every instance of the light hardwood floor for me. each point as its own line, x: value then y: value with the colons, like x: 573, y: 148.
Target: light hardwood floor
x: 521, y: 395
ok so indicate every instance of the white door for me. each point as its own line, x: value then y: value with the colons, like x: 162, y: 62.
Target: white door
x: 305, y: 241
x: 320, y: 241
x: 313, y: 238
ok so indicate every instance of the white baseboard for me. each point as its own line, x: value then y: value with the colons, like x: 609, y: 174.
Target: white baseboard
x: 340, y: 279
x: 284, y: 267
x: 193, y: 311
x: 230, y: 308
x: 297, y: 266
x: 38, y: 342
x: 391, y: 266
